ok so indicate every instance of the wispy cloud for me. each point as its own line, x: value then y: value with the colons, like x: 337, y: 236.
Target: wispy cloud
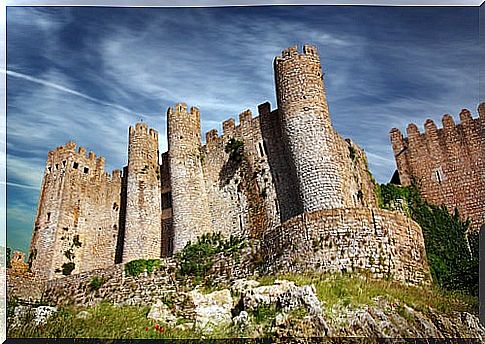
x: 65, y: 89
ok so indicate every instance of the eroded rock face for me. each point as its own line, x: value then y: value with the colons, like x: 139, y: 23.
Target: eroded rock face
x: 212, y: 310
x: 296, y: 311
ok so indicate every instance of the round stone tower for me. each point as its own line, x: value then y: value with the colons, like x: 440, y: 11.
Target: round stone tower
x: 190, y: 207
x: 143, y: 227
x: 307, y: 129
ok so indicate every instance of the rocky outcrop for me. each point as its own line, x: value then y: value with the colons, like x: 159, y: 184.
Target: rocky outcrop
x: 295, y: 311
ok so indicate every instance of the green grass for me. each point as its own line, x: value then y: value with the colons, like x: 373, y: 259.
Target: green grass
x: 355, y: 291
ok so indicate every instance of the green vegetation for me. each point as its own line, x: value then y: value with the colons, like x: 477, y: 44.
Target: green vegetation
x: 96, y: 283
x: 136, y: 267
x: 197, y: 259
x: 352, y: 153
x: 67, y: 268
x: 235, y: 149
x: 349, y: 290
x: 9, y: 257
x: 264, y: 313
x: 76, y: 241
x: 452, y: 253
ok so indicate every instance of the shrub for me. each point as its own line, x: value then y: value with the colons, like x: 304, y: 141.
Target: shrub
x: 452, y: 256
x: 9, y: 257
x: 235, y: 149
x: 136, y: 267
x: 196, y: 259
x: 67, y: 268
x: 96, y: 283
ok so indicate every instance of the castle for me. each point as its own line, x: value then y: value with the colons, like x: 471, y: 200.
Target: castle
x: 448, y: 163
x: 285, y: 178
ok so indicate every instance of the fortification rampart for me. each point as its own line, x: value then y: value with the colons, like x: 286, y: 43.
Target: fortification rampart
x: 448, y: 162
x: 385, y: 243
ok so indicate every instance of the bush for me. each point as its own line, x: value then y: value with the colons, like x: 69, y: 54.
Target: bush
x: 136, y: 267
x: 67, y: 268
x: 235, y: 149
x: 196, y: 260
x: 96, y: 283
x: 452, y: 256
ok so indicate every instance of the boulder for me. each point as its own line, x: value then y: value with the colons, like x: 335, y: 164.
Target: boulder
x: 160, y: 312
x: 296, y: 297
x: 242, y: 320
x: 241, y: 285
x: 265, y: 295
x: 212, y: 310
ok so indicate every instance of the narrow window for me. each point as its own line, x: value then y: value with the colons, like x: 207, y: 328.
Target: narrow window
x: 48, y: 217
x: 260, y: 145
x: 438, y: 177
x: 75, y: 165
x: 49, y: 169
x: 166, y: 200
x: 86, y: 170
x: 265, y: 149
x: 64, y: 163
x: 57, y: 166
x: 240, y: 223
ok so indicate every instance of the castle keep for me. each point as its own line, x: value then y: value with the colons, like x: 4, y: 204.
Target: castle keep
x: 448, y: 163
x: 284, y: 178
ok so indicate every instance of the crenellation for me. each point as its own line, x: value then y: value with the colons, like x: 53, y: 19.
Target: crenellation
x: 447, y: 163
x: 465, y: 116
x: 412, y: 132
x: 228, y: 127
x: 212, y: 136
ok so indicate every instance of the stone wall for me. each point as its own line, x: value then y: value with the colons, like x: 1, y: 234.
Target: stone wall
x: 120, y: 288
x: 24, y: 286
x: 448, y: 162
x: 77, y: 216
x: 385, y: 243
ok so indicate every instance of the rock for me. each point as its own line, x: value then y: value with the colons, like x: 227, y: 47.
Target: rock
x: 42, y: 314
x: 212, y: 310
x: 281, y: 319
x: 253, y: 298
x: 161, y: 312
x: 241, y: 285
x: 242, y: 320
x: 83, y: 315
x: 185, y: 326
x: 296, y: 297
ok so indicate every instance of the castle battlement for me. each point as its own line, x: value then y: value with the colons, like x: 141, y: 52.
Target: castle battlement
x: 448, y: 161
x: 414, y: 135
x: 288, y: 53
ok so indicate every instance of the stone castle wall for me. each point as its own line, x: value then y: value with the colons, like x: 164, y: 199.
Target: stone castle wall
x: 77, y: 217
x: 448, y: 163
x: 387, y: 244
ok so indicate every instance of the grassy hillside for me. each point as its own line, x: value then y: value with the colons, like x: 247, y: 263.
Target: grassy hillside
x: 108, y: 321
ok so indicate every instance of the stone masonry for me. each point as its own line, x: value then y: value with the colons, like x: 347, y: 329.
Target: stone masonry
x: 296, y: 183
x: 448, y: 163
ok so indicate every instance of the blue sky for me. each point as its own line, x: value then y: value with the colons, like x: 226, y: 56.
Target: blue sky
x: 86, y: 74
